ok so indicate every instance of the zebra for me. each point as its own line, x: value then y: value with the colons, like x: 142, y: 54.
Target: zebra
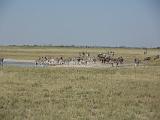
x: 137, y: 62
x: 1, y: 61
x: 79, y: 60
x: 42, y: 61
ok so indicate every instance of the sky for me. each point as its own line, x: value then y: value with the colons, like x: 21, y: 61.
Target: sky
x: 114, y: 23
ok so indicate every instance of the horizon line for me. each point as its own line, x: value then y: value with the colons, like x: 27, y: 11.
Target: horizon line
x: 79, y: 46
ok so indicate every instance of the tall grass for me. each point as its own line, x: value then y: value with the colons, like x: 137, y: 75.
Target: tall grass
x: 80, y: 93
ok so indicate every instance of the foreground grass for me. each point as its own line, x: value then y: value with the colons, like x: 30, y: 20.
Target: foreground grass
x: 80, y: 93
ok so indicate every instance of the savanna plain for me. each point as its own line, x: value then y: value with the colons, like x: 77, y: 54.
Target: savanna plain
x: 51, y: 93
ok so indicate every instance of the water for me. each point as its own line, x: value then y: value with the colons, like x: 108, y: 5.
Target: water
x: 20, y: 63
x: 31, y: 63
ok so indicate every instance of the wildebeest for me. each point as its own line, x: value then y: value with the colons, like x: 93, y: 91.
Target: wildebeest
x: 111, y: 53
x: 110, y: 59
x: 117, y: 61
x: 84, y: 54
x: 147, y: 59
x: 104, y: 58
x: 120, y: 60
x: 156, y: 57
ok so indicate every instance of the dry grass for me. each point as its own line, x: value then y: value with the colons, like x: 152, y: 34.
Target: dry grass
x: 34, y: 52
x: 80, y: 93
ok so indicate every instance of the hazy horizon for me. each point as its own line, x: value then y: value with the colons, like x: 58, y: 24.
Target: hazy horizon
x: 87, y: 22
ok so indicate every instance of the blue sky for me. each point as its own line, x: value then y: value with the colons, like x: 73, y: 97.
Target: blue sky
x: 134, y: 23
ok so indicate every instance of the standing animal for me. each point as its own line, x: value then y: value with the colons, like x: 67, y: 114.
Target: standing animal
x: 120, y: 60
x: 145, y: 52
x: 60, y: 60
x: 79, y: 60
x: 116, y: 61
x: 147, y: 59
x: 103, y: 58
x: 94, y: 60
x: 84, y: 54
x: 136, y: 62
x: 1, y: 61
x: 156, y: 57
x: 42, y: 61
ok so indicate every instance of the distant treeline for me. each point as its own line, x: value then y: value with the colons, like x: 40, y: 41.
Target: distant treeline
x: 78, y: 46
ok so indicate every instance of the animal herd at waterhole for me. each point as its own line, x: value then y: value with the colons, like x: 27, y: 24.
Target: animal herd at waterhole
x: 85, y: 58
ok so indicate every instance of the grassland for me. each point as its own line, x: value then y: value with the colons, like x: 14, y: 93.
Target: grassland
x: 31, y: 52
x: 80, y: 93
x: 52, y: 93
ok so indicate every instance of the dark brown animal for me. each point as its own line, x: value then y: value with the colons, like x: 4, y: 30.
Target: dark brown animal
x: 117, y: 61
x: 103, y: 58
x: 156, y: 57
x: 147, y: 59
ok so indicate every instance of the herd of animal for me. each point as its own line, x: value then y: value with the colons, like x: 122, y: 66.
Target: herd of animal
x: 137, y: 61
x: 84, y: 58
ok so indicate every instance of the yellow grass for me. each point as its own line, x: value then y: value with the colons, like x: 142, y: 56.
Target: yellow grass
x: 124, y: 93
x: 80, y: 93
x: 34, y: 52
